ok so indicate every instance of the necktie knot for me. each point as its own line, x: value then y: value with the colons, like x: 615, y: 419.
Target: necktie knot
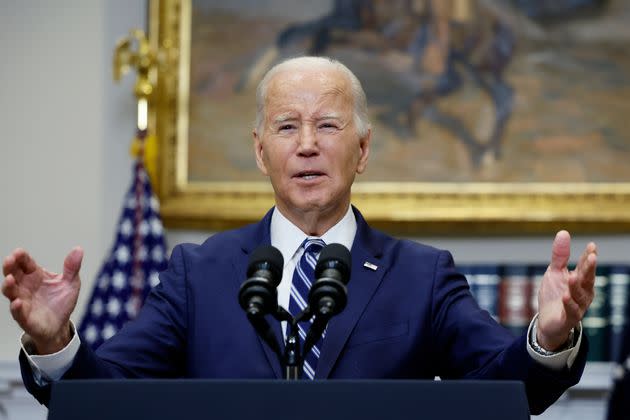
x: 313, y: 245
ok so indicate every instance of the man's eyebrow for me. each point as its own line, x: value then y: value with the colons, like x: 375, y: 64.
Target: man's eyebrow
x: 329, y: 116
x: 288, y: 116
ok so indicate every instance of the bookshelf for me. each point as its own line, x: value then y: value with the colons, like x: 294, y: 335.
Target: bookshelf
x: 509, y: 294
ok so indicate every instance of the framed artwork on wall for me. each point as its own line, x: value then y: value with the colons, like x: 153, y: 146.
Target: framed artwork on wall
x: 488, y: 116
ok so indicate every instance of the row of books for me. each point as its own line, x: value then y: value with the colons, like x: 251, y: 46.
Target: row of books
x: 510, y: 294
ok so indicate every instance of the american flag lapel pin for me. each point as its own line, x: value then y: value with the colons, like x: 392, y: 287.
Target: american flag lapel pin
x: 369, y: 265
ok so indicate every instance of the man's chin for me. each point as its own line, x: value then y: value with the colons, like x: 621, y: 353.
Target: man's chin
x: 320, y: 206
x: 313, y: 201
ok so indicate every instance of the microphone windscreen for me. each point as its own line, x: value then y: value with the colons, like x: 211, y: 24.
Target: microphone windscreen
x: 335, y: 256
x: 269, y: 258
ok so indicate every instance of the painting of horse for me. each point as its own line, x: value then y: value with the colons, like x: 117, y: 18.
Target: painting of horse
x: 459, y: 90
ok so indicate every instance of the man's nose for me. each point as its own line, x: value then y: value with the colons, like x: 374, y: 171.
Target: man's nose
x: 307, y: 141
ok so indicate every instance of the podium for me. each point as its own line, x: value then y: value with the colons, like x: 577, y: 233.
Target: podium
x: 279, y: 400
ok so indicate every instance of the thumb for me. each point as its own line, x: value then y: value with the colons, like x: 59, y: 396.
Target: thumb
x: 560, y: 250
x: 72, y: 263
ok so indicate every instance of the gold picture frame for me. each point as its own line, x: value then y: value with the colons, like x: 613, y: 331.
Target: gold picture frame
x: 409, y: 208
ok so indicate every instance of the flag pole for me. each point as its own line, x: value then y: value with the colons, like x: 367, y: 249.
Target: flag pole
x: 144, y: 61
x: 134, y: 52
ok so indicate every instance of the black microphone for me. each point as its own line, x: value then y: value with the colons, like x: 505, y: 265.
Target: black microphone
x: 258, y: 294
x: 328, y: 295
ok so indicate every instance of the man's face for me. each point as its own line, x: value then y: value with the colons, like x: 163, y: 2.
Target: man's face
x: 308, y: 144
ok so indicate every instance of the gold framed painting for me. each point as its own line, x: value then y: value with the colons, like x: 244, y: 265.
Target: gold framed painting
x: 487, y: 118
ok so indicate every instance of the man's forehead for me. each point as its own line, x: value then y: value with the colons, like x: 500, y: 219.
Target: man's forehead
x: 329, y: 80
x: 317, y: 92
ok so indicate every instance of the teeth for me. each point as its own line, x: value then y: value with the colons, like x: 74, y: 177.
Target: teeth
x: 309, y: 176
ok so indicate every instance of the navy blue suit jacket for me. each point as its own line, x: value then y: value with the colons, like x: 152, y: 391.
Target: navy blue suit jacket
x: 412, y: 317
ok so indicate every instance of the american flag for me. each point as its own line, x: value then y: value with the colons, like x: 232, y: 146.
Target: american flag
x: 133, y: 265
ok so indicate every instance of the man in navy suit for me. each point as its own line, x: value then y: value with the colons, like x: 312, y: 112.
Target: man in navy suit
x: 409, y: 313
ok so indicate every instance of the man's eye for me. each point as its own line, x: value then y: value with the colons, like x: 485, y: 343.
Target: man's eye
x: 286, y: 127
x: 328, y: 126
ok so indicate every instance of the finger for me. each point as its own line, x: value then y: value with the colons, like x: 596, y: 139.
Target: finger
x: 581, y: 296
x: 72, y: 263
x: 591, y: 248
x: 587, y: 271
x: 560, y: 250
x: 25, y: 262
x: 19, y: 310
x: 573, y: 310
x: 10, y: 287
x: 10, y: 266
x: 7, y: 264
x: 580, y: 264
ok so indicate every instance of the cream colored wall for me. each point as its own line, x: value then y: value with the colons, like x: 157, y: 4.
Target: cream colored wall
x: 65, y: 129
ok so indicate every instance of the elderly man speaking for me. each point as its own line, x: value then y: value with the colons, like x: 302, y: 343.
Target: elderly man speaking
x: 409, y: 313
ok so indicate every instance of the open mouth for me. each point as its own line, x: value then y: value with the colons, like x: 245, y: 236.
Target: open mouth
x: 308, y: 175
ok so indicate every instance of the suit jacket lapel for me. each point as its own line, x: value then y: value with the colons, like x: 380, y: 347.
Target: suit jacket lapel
x: 258, y: 235
x: 367, y: 247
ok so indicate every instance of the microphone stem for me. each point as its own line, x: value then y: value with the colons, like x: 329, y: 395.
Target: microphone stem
x: 292, y: 360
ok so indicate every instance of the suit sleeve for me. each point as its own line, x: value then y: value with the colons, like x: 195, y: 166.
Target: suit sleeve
x: 153, y: 345
x: 474, y: 346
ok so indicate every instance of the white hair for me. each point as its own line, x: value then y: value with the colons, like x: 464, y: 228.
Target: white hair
x: 361, y: 119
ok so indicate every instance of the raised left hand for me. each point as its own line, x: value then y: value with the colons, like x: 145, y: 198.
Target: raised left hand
x: 564, y: 295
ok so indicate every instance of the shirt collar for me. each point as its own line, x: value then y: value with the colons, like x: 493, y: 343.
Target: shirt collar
x: 287, y: 237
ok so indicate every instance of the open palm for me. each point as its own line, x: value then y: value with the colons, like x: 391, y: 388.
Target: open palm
x: 42, y: 301
x: 564, y: 295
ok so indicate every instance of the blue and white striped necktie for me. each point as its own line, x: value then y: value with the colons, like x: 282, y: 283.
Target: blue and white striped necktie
x: 303, y: 276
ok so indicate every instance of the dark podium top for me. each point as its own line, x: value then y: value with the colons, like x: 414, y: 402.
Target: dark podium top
x: 295, y: 400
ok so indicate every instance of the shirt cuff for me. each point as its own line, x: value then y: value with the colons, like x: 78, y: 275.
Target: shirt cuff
x: 559, y: 360
x: 51, y: 367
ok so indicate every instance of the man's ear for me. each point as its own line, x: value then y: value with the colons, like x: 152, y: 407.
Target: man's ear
x: 258, y: 149
x: 364, y: 150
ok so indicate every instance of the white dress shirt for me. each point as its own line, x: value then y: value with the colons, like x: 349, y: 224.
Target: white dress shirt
x: 288, y: 239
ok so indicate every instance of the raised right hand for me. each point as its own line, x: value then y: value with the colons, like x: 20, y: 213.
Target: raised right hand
x: 42, y: 301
